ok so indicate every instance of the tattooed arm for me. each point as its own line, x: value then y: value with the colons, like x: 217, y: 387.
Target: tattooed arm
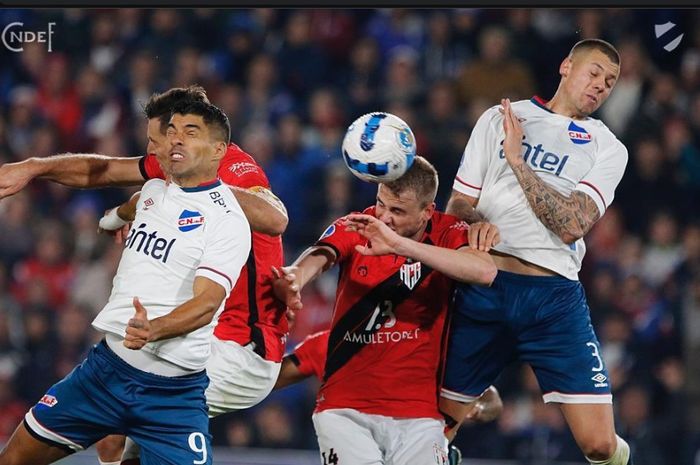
x: 463, y: 207
x: 569, y: 217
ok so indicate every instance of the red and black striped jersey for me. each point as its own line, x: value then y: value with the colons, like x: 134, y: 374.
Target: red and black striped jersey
x: 251, y: 313
x: 386, y: 340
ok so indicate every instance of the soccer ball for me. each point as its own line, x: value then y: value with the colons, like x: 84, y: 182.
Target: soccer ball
x: 379, y: 147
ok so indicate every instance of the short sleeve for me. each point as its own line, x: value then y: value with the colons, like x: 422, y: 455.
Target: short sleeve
x: 455, y: 236
x: 310, y: 355
x: 337, y: 237
x: 150, y: 168
x: 226, y: 250
x: 480, y: 148
x: 240, y: 170
x: 602, y: 180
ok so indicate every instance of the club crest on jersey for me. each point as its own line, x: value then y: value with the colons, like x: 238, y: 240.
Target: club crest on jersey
x: 328, y: 232
x: 410, y: 274
x: 48, y: 400
x: 579, y: 135
x: 189, y: 220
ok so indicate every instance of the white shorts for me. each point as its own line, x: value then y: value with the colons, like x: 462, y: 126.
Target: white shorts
x: 348, y: 437
x: 238, y: 377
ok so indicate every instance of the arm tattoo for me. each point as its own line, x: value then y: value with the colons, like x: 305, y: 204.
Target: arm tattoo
x: 570, y: 218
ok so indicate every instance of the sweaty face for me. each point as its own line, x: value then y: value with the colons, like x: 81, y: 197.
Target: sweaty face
x: 402, y: 213
x: 191, y: 149
x: 589, y: 78
x: 158, y: 144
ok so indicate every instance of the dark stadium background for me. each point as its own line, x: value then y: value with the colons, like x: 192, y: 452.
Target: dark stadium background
x: 291, y: 81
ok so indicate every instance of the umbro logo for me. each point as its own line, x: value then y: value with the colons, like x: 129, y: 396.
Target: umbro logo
x: 600, y: 380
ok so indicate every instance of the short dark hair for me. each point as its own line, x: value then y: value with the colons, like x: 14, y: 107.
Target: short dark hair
x: 421, y: 178
x: 215, y: 119
x: 598, y: 44
x: 160, y: 105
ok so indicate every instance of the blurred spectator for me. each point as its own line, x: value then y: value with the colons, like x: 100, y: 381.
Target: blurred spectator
x: 664, y: 253
x: 362, y: 78
x: 302, y: 63
x: 636, y: 425
x: 631, y: 86
x: 647, y: 185
x: 58, y: 99
x: 442, y: 54
x: 514, y: 80
x: 48, y: 266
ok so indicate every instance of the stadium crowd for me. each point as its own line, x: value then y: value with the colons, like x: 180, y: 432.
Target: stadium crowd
x: 290, y: 82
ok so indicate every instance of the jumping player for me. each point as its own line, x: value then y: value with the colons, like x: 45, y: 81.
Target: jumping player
x: 543, y: 173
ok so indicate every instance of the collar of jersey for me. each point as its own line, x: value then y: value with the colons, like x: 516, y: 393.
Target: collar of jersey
x: 540, y: 102
x: 205, y: 186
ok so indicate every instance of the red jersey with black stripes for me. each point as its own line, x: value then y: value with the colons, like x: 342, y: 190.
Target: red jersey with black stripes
x: 386, y: 340
x: 310, y: 354
x: 251, y: 314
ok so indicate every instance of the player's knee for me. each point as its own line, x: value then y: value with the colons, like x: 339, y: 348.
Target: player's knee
x: 599, y: 448
x: 616, y: 454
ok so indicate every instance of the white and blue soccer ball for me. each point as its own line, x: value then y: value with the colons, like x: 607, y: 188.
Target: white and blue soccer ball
x: 379, y: 147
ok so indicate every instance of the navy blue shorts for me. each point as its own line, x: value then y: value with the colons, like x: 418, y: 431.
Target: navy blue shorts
x: 541, y: 320
x: 166, y: 417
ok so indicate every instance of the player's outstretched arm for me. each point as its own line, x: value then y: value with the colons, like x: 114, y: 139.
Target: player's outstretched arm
x: 185, y: 318
x: 569, y: 217
x: 290, y: 280
x: 464, y: 264
x: 265, y: 211
x: 289, y: 374
x: 73, y: 170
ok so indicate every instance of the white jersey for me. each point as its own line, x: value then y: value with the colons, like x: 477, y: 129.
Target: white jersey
x: 177, y: 234
x: 566, y: 154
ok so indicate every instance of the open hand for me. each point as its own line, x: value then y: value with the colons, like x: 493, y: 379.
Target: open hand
x: 382, y: 240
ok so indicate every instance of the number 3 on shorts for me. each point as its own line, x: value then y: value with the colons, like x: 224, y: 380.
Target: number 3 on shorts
x: 596, y: 354
x: 199, y: 445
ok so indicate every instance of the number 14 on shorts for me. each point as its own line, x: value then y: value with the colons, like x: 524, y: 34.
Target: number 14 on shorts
x: 332, y: 458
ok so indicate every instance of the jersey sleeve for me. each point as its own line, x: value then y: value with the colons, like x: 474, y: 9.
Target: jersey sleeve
x: 337, y: 237
x: 602, y: 180
x: 455, y: 236
x: 242, y: 173
x: 150, y: 168
x: 310, y: 355
x: 226, y: 249
x: 481, y: 146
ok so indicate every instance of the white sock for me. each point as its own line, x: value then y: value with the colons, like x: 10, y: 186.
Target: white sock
x: 620, y: 457
x: 109, y: 463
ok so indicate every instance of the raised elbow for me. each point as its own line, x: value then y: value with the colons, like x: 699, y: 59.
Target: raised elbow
x: 278, y: 225
x: 569, y: 238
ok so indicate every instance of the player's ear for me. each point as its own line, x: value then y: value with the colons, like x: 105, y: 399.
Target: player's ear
x: 220, y: 151
x: 429, y: 210
x: 565, y: 67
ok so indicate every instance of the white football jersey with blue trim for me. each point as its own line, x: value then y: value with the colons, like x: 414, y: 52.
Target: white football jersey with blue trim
x: 178, y: 234
x: 567, y: 154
